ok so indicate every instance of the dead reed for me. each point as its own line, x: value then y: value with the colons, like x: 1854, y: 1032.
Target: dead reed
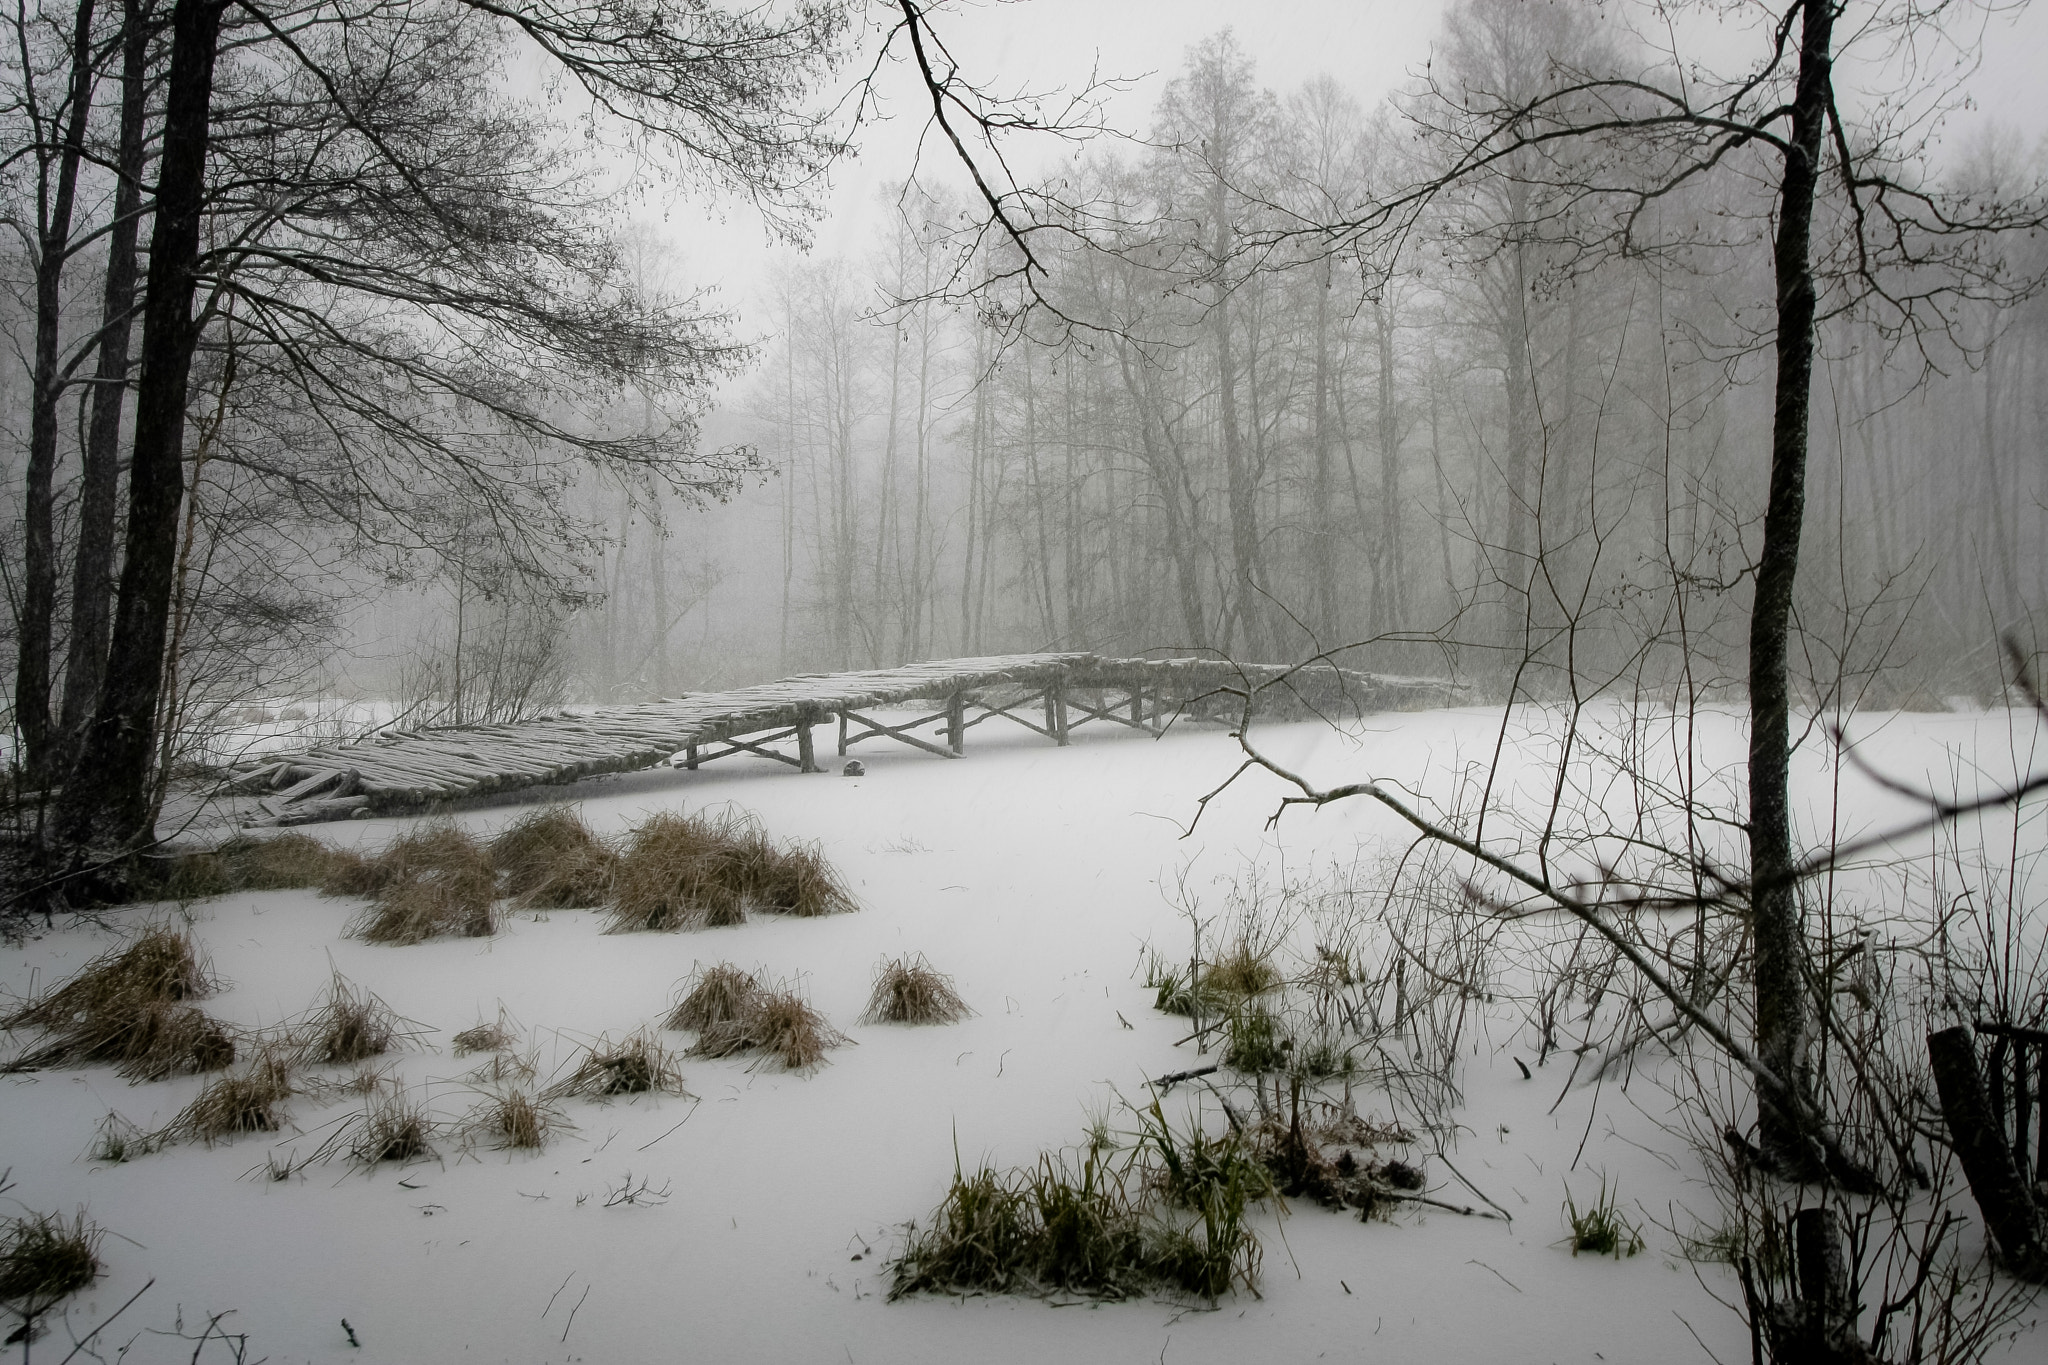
x: 706, y: 870
x: 248, y: 863
x: 348, y: 1026
x: 638, y: 1065
x: 129, y: 1007
x: 777, y: 1024
x: 909, y: 990
x: 681, y: 872
x: 711, y: 996
x: 43, y: 1258
x: 243, y: 1103
x: 514, y: 1121
x: 550, y: 860
x: 434, y: 881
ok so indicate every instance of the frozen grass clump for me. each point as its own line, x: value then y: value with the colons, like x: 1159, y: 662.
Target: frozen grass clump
x: 130, y: 1008
x: 638, y: 1065
x: 681, y: 872
x: 514, y: 1121
x: 734, y: 1013
x: 246, y: 1102
x: 350, y: 1025
x: 909, y: 990
x: 550, y: 860
x: 1170, y: 1215
x: 791, y: 879
x: 710, y: 997
x: 1242, y: 970
x: 432, y: 882
x: 393, y: 1127
x: 248, y: 863
x: 706, y: 871
x: 44, y: 1258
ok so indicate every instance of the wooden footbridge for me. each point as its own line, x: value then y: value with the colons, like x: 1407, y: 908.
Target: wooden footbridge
x: 1049, y: 694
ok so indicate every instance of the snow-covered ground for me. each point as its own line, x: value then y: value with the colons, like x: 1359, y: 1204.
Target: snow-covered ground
x: 1036, y: 877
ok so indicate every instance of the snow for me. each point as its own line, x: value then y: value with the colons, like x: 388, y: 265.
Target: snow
x: 1036, y: 877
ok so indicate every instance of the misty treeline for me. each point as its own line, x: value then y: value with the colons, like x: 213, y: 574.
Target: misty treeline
x: 1508, y: 449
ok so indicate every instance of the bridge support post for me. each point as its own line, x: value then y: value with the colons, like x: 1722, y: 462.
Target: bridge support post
x: 690, y: 757
x: 842, y: 734
x: 1059, y: 714
x: 1138, y: 703
x: 807, y: 757
x: 956, y: 723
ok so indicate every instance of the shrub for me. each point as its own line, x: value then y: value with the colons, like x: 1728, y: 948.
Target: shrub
x: 550, y: 860
x: 1255, y: 1042
x: 909, y: 990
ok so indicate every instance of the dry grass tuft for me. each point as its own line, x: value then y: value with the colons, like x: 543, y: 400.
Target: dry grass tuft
x: 515, y: 1121
x: 794, y: 879
x: 499, y: 1036
x: 347, y: 1027
x: 550, y: 860
x: 244, y: 1103
x: 909, y: 990
x: 640, y: 1065
x: 393, y: 1127
x: 1241, y: 970
x: 778, y: 1024
x: 714, y: 995
x: 704, y: 871
x: 129, y: 1007
x: 436, y: 880
x: 43, y: 1258
x: 682, y: 872
x: 246, y: 863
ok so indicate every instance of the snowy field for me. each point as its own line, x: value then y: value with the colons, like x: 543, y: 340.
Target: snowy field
x: 1036, y: 877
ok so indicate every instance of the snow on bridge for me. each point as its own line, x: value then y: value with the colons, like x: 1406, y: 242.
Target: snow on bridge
x: 414, y: 769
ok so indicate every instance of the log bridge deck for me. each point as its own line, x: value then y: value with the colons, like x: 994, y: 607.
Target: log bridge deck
x: 1049, y: 694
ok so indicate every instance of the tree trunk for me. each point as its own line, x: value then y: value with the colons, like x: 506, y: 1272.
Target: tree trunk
x: 1781, y: 1004
x: 113, y: 808
x: 92, y: 576
x: 39, y: 540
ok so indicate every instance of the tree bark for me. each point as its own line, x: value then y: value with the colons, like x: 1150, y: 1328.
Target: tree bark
x: 1781, y: 1004
x: 39, y: 540
x: 112, y: 808
x: 92, y: 571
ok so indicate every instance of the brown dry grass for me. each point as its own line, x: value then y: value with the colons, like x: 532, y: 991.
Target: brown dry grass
x: 498, y: 1036
x: 909, y: 990
x: 129, y: 1007
x: 515, y: 1121
x: 392, y: 1127
x: 550, y: 860
x: 639, y: 1065
x: 243, y: 1103
x: 779, y: 1025
x: 794, y: 879
x: 43, y: 1258
x: 711, y: 995
x: 1241, y: 970
x: 681, y: 872
x: 432, y: 881
x: 706, y: 870
x: 247, y: 863
x: 351, y: 1024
